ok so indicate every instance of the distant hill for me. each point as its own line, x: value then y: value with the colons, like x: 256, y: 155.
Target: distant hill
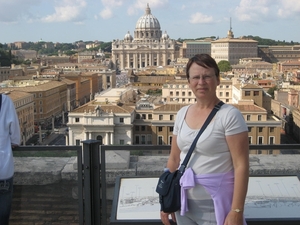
x: 261, y: 41
x: 264, y: 41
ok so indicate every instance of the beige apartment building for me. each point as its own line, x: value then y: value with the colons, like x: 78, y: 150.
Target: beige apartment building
x: 4, y: 73
x: 50, y: 97
x: 233, y: 49
x: 83, y: 87
x: 24, y: 104
x: 275, y: 53
x: 191, y: 48
x: 178, y: 91
x: 148, y: 47
x: 148, y: 122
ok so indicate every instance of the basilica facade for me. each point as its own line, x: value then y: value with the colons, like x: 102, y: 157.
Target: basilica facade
x: 148, y: 47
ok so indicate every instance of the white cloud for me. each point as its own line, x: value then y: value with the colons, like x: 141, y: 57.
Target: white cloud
x: 142, y: 4
x: 252, y: 10
x: 112, y: 3
x: 289, y: 8
x: 67, y: 10
x: 200, y: 18
x: 14, y: 10
x: 106, y: 13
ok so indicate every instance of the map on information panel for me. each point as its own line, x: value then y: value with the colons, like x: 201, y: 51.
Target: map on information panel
x: 268, y: 197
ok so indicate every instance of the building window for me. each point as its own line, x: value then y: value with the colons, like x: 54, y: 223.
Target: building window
x: 171, y: 117
x: 171, y: 93
x: 177, y: 93
x: 271, y: 140
x: 259, y: 117
x: 227, y: 94
x: 171, y: 129
x: 143, y: 142
x: 221, y: 94
x: 137, y: 116
x: 149, y: 139
x: 190, y: 93
x: 137, y: 139
x: 271, y: 129
x: 121, y: 120
x: 183, y: 93
x: 122, y: 142
x: 249, y: 129
x: 248, y: 117
x: 170, y: 140
x: 149, y: 116
x: 160, y: 117
x: 137, y: 128
x: 143, y: 128
x: 160, y: 140
x: 77, y: 142
x: 160, y: 129
x: 260, y: 140
x: 143, y: 116
x: 77, y: 120
x: 260, y: 129
x: 256, y: 93
x: 247, y: 93
x: 250, y: 140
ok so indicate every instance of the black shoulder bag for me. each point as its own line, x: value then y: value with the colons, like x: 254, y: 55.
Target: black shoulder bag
x: 168, y: 186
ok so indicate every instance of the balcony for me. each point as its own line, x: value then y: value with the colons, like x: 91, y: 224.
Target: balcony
x: 60, y: 184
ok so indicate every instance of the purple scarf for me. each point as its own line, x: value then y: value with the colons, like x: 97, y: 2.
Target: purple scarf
x: 218, y: 185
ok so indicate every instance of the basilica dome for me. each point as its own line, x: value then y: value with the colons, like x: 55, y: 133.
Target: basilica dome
x: 147, y: 21
x: 147, y: 28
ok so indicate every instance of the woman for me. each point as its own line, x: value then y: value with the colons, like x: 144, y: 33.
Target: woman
x: 221, y: 156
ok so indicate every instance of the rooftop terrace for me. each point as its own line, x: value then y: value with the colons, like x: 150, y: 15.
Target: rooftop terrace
x: 51, y: 190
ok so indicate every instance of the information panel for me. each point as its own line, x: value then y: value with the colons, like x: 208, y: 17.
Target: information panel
x: 269, y: 198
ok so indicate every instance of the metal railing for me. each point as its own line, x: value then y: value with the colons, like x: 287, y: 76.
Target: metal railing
x: 91, y: 162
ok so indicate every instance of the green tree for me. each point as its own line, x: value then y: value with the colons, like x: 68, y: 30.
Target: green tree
x: 271, y: 91
x: 224, y: 66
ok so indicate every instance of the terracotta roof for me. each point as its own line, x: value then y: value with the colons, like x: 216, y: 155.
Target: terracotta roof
x: 16, y: 95
x: 169, y: 107
x: 247, y: 108
x: 105, y: 107
x: 250, y: 86
x: 154, y: 79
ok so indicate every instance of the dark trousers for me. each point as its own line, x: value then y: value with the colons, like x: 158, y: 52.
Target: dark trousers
x: 6, y: 190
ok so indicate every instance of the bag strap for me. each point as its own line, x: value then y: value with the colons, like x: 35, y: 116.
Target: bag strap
x: 207, y: 121
x: 0, y: 101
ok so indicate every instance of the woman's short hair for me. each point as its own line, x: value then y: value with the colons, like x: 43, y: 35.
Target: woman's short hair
x: 204, y: 60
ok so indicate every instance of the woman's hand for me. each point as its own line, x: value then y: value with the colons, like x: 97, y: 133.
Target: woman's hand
x: 234, y: 218
x: 165, y: 217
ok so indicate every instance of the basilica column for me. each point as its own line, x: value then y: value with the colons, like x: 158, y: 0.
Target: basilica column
x: 111, y: 138
x: 106, y: 139
x: 86, y: 135
x: 128, y: 60
x: 71, y: 137
x: 146, y: 59
x: 158, y: 58
x: 134, y: 60
x: 140, y: 59
x: 164, y: 59
x: 150, y: 59
x: 122, y: 61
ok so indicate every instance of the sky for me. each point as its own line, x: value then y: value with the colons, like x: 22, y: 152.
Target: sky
x: 68, y: 21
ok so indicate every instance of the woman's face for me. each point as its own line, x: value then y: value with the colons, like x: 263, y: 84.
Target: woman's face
x: 203, y: 81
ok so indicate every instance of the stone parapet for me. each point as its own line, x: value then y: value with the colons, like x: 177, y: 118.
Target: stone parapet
x: 48, y: 170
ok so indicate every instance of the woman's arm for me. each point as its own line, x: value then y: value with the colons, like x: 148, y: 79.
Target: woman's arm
x: 172, y: 165
x: 174, y: 157
x: 239, y: 149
